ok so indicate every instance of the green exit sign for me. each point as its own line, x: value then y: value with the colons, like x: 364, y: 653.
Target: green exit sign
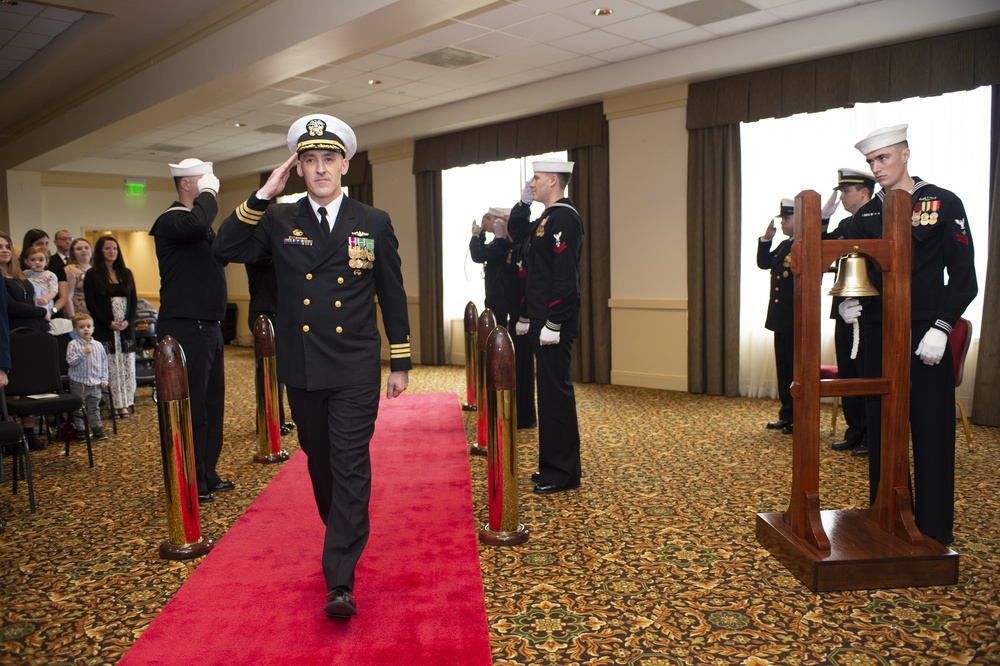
x: 135, y: 188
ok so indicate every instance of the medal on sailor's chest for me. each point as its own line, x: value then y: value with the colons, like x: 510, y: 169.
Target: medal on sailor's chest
x: 360, y: 253
x: 541, y: 227
x: 925, y: 213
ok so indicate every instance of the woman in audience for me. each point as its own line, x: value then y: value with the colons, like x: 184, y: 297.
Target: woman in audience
x: 21, y: 307
x: 109, y: 291
x: 39, y: 237
x: 21, y: 312
x: 80, y: 257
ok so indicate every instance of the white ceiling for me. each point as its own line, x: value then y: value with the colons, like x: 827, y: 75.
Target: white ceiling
x: 119, y: 86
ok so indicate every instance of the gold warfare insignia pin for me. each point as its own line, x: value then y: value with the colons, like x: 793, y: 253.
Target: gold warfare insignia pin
x: 298, y: 232
x: 360, y: 233
x: 316, y: 127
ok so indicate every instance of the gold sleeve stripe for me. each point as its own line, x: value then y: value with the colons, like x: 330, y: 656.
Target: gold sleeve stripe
x: 401, y: 350
x: 246, y: 214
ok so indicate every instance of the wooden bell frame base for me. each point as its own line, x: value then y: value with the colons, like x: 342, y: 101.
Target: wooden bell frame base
x: 879, y: 547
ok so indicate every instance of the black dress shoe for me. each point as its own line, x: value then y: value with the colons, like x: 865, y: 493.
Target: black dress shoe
x: 286, y: 429
x: 861, y: 450
x: 339, y: 603
x: 778, y: 425
x: 527, y: 426
x: 549, y: 488
x: 207, y: 497
x: 536, y: 477
x: 787, y: 430
x: 844, y: 445
x: 223, y: 486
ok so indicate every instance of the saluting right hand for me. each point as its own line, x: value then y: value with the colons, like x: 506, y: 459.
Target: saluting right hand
x: 275, y: 184
x: 769, y: 233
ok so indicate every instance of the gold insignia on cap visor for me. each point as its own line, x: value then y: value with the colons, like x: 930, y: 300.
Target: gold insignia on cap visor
x: 321, y: 144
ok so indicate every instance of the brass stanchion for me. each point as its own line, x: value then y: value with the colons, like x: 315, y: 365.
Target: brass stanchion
x: 268, y: 407
x: 503, y: 528
x: 471, y: 322
x: 487, y: 322
x: 177, y: 450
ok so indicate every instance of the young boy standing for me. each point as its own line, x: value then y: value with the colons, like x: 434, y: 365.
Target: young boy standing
x: 88, y: 372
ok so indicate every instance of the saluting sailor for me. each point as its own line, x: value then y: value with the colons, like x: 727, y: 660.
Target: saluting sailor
x: 551, y: 318
x: 328, y: 343
x: 942, y: 242
x: 780, y: 308
x: 855, y: 189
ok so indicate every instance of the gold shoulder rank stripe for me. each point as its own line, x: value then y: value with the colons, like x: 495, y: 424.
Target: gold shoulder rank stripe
x: 246, y: 214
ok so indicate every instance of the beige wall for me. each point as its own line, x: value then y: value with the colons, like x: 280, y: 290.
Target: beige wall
x: 648, y: 165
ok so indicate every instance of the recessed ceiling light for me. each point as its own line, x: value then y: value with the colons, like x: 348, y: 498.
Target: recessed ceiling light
x: 374, y: 82
x: 241, y: 124
x: 603, y: 11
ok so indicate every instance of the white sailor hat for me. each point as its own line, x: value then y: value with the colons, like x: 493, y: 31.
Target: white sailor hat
x: 318, y: 131
x: 552, y: 165
x: 847, y: 176
x: 495, y: 211
x: 190, y: 167
x: 787, y: 208
x: 880, y: 138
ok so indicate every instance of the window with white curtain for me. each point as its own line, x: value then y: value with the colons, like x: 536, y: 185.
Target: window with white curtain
x: 949, y: 146
x: 467, y: 193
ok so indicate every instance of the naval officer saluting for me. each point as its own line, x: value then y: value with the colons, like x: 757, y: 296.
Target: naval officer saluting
x: 328, y: 344
x: 780, y: 308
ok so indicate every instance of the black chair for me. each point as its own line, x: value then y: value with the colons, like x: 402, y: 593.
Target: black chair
x: 34, y: 378
x: 145, y: 347
x: 11, y: 432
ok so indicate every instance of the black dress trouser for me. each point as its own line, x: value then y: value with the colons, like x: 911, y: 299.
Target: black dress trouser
x: 201, y: 340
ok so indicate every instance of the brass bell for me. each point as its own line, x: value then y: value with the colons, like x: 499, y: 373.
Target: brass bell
x: 852, y: 277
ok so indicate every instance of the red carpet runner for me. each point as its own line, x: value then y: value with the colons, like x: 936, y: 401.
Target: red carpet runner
x: 258, y: 597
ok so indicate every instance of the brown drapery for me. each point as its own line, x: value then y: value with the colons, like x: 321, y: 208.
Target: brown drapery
x: 359, y: 178
x: 713, y: 231
x: 924, y: 67
x: 588, y: 189
x: 986, y: 407
x: 429, y: 267
x: 584, y: 132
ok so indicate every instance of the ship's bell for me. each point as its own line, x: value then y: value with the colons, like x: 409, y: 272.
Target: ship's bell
x: 852, y: 277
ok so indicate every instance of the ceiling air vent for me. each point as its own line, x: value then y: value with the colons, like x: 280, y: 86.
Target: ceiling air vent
x: 450, y: 57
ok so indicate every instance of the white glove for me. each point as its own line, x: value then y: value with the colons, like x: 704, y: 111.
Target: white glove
x: 521, y: 327
x: 850, y: 310
x: 209, y: 182
x: 526, y: 194
x: 830, y: 207
x: 548, y: 336
x: 931, y: 347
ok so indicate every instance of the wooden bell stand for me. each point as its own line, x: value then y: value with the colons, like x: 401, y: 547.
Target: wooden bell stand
x: 855, y: 549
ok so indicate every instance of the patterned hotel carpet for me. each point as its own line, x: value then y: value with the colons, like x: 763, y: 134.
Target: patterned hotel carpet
x: 652, y: 562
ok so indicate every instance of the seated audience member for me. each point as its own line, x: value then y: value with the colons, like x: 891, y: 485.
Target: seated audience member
x: 21, y: 312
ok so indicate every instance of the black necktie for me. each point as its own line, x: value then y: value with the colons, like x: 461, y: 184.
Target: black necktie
x: 323, y: 222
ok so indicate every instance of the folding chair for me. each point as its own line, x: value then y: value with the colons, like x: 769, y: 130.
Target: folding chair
x: 34, y: 378
x: 12, y: 432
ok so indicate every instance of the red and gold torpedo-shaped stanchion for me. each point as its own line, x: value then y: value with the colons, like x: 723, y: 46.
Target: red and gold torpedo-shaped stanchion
x: 268, y: 407
x: 177, y: 450
x: 471, y: 323
x: 487, y: 322
x: 503, y: 528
